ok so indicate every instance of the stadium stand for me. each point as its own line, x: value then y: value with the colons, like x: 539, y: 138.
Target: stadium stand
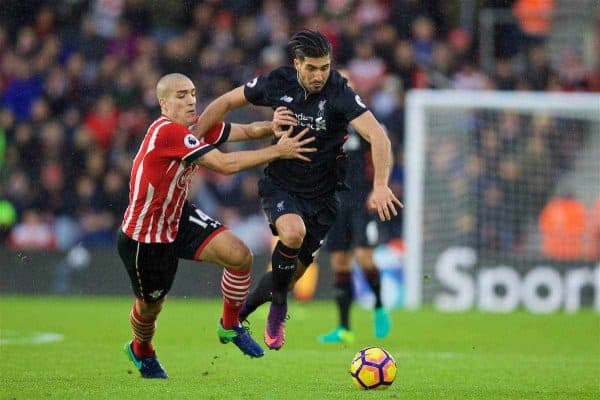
x: 77, y: 79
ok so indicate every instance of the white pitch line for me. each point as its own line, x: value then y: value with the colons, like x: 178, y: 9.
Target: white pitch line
x: 12, y: 338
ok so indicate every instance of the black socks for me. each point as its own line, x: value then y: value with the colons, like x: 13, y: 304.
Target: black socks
x: 343, y: 296
x: 372, y: 276
x: 283, y: 262
x: 259, y: 296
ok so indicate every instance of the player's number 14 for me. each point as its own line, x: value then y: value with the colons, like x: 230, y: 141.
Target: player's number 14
x: 203, y: 220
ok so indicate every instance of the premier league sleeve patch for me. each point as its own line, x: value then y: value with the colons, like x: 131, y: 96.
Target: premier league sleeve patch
x: 190, y: 141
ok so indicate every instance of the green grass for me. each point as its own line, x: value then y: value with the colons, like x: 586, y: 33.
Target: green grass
x: 439, y: 356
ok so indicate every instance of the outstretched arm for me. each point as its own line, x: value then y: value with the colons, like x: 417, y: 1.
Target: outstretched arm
x: 261, y: 129
x: 286, y: 147
x: 381, y: 198
x: 255, y: 130
x: 217, y: 110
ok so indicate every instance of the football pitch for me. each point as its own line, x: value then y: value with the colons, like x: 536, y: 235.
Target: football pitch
x: 71, y: 348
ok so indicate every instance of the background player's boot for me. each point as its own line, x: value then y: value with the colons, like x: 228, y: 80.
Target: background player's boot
x: 240, y: 336
x: 338, y: 335
x: 275, y: 329
x: 149, y: 367
x: 382, y: 323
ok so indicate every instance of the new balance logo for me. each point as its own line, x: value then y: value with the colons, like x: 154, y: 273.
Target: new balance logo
x: 359, y: 101
x: 280, y: 206
x: 287, y: 99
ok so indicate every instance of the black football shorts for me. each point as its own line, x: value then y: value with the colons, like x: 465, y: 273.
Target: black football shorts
x: 354, y: 226
x: 152, y: 266
x: 318, y: 214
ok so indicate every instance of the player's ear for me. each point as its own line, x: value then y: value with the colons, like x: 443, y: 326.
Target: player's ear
x: 297, y: 63
x: 163, y: 103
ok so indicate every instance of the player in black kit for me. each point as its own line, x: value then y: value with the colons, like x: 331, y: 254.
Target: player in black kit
x: 299, y: 198
x: 353, y: 236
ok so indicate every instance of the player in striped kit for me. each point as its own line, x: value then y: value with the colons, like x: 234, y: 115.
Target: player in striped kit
x: 160, y: 226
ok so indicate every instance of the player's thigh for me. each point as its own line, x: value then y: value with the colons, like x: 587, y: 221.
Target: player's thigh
x: 277, y: 203
x: 227, y: 250
x: 196, y: 231
x: 151, y: 267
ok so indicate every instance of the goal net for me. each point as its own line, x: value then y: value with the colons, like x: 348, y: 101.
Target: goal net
x: 502, y: 200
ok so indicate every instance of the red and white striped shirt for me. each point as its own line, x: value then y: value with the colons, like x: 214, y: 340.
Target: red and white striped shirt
x: 160, y: 178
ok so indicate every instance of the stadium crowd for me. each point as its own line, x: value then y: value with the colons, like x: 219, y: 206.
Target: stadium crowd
x: 77, y: 84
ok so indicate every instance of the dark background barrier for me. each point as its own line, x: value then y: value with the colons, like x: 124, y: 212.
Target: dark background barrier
x: 48, y: 273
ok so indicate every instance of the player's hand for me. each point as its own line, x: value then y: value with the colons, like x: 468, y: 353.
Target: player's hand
x: 284, y: 120
x: 384, y: 201
x: 293, y: 147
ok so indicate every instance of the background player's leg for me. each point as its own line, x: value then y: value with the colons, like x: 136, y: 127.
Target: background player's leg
x: 364, y: 257
x: 341, y: 264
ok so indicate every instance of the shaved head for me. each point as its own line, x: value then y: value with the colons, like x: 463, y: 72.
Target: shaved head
x: 177, y: 98
x: 167, y: 82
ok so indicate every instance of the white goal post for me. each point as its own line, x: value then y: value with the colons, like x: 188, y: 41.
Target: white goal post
x: 440, y: 119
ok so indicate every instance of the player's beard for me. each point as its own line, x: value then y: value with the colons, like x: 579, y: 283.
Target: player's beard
x: 317, y: 88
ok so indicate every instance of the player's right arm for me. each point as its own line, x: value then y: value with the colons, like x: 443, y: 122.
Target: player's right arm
x: 230, y: 163
x: 218, y: 108
x: 258, y: 130
x: 254, y: 92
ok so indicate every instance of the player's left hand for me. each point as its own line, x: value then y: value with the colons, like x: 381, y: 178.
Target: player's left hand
x: 384, y: 201
x: 283, y: 120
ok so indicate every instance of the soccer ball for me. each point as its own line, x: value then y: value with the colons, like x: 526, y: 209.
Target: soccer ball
x: 373, y: 368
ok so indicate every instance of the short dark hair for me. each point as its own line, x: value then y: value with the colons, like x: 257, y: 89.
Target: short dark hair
x: 309, y: 43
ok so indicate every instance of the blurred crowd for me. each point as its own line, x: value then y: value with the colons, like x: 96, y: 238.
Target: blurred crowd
x: 498, y: 189
x: 77, y: 82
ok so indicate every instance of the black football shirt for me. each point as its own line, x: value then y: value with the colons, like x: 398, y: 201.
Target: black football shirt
x: 326, y: 113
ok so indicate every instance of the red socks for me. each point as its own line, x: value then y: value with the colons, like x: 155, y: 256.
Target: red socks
x: 143, y: 331
x: 234, y: 286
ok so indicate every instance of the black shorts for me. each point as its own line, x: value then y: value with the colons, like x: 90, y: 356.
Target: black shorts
x: 318, y: 214
x: 354, y: 226
x: 152, y: 266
